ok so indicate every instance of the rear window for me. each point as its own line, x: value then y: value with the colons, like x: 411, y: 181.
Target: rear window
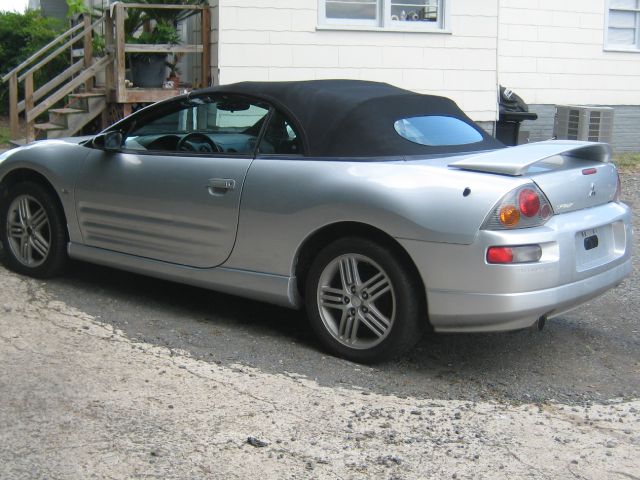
x: 436, y: 131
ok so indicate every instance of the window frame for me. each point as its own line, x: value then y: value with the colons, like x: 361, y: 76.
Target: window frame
x: 615, y: 47
x: 383, y: 23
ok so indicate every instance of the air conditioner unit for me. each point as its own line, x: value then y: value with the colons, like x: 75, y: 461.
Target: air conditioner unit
x: 580, y: 122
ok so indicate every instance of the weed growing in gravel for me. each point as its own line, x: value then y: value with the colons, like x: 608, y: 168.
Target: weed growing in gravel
x: 627, y: 160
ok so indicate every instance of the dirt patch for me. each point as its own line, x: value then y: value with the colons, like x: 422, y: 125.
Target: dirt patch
x: 82, y: 400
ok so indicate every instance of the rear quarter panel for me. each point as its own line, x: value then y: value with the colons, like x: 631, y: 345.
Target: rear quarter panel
x: 285, y: 201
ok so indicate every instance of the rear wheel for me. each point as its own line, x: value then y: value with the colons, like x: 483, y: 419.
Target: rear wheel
x: 362, y: 302
x: 32, y: 229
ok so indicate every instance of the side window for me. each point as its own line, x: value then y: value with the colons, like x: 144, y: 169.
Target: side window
x: 280, y: 137
x: 223, y: 124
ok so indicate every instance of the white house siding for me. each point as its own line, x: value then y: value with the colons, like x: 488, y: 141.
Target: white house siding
x: 552, y: 52
x: 279, y: 40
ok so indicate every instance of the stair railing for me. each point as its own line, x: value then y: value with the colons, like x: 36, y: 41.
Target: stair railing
x: 82, y: 72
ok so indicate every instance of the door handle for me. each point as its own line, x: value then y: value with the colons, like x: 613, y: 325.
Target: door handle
x: 218, y: 186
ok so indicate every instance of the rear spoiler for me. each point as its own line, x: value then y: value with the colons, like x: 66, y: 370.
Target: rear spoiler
x: 516, y: 161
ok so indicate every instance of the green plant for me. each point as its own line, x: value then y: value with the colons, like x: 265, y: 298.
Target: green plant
x: 76, y: 7
x: 161, y: 33
x: 174, y: 71
x: 22, y: 34
x: 158, y: 25
x: 99, y: 44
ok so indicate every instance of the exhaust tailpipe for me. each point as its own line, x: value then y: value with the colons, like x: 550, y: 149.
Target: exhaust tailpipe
x: 541, y: 322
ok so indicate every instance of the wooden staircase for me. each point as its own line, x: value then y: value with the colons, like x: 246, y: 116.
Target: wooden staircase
x: 69, y: 101
x: 73, y: 87
x: 68, y: 121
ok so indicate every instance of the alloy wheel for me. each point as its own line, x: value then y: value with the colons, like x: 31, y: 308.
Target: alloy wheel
x: 356, y: 301
x: 28, y: 231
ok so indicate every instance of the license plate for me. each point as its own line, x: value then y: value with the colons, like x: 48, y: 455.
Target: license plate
x: 594, y: 247
x: 590, y: 239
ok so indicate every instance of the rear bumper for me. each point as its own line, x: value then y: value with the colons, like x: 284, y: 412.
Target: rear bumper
x: 465, y: 294
x: 485, y: 312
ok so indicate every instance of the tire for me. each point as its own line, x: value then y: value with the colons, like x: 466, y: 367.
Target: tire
x: 33, y: 231
x: 370, y: 317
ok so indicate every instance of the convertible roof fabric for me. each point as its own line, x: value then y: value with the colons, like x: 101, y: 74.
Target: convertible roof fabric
x: 355, y: 118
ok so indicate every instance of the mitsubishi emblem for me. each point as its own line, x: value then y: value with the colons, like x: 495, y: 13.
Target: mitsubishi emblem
x: 592, y: 191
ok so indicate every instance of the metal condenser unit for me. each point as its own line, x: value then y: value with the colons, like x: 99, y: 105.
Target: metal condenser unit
x: 580, y: 122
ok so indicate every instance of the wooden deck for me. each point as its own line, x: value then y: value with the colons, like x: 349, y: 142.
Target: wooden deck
x: 78, y: 76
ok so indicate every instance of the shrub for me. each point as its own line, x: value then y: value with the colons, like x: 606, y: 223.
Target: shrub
x: 22, y: 34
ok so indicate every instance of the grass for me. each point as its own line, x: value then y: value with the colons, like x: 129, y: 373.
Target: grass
x: 627, y: 160
x: 5, y: 134
x: 5, y: 131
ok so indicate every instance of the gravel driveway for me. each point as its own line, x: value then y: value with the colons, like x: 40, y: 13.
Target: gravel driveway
x: 107, y: 374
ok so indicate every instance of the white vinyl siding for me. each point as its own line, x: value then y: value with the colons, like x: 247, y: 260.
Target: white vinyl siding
x: 276, y: 40
x: 418, y: 15
x: 623, y: 24
x: 556, y: 53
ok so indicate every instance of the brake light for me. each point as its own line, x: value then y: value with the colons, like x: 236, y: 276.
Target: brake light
x: 526, y: 206
x: 518, y: 254
x: 529, y: 202
x: 499, y: 255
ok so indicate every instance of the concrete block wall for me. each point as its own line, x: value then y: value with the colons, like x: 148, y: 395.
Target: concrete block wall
x: 281, y: 40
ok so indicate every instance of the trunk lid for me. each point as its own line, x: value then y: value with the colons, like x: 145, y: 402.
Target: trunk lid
x: 573, y: 175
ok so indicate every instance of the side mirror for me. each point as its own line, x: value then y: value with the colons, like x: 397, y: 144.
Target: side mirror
x: 109, y: 141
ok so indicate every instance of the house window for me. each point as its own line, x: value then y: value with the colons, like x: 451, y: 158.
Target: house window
x: 623, y: 28
x: 391, y: 14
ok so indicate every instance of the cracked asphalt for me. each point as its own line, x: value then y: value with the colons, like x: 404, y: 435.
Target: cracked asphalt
x: 108, y: 374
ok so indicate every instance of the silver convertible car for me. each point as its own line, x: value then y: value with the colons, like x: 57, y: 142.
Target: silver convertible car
x: 382, y: 212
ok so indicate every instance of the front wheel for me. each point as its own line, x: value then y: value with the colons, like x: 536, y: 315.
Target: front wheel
x: 362, y: 301
x: 32, y: 229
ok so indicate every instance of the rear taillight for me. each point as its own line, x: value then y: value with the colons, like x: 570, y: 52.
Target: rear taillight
x: 523, y: 207
x: 518, y: 254
x: 529, y: 202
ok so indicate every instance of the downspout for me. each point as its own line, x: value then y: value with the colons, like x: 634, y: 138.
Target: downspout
x: 497, y: 106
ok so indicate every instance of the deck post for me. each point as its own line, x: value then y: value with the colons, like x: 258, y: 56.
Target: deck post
x: 121, y: 91
x: 28, y: 106
x: 13, y: 105
x: 88, y: 49
x: 206, y: 46
x: 109, y: 80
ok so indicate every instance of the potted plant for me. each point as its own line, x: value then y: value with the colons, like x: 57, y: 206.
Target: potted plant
x: 155, y: 27
x: 148, y: 69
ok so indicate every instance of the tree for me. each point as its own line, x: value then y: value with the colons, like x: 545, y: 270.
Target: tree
x: 22, y: 34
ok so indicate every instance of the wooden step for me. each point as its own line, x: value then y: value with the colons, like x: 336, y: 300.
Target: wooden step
x: 48, y: 126
x: 61, y: 116
x: 66, y: 111
x: 18, y: 142
x: 87, y: 94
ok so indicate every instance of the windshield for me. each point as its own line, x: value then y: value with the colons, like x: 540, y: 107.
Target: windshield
x: 437, y: 131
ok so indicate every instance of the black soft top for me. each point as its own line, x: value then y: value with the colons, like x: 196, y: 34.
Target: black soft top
x: 354, y: 118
